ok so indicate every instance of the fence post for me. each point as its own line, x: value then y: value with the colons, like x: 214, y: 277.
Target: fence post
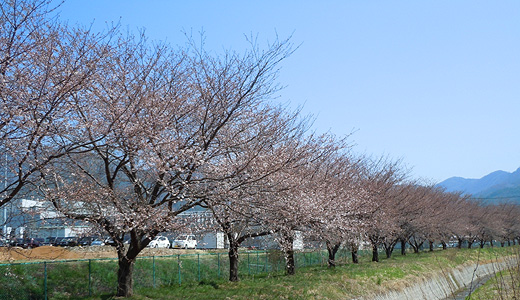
x: 257, y: 261
x: 45, y: 280
x: 218, y: 265
x: 278, y: 264
x: 89, y: 278
x: 248, y: 265
x: 153, y: 270
x: 198, y: 264
x: 179, y: 267
x: 266, y: 268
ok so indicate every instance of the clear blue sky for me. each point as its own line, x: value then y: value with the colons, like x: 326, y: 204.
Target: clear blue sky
x: 436, y: 83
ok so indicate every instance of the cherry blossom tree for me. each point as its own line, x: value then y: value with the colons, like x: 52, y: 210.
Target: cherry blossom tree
x: 343, y: 203
x: 510, y: 217
x: 157, y: 126
x: 276, y: 142
x: 381, y: 176
x: 297, y: 203
x: 43, y: 63
x: 449, y: 206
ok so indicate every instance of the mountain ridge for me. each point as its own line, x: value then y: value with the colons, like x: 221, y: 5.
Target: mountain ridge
x: 495, y: 187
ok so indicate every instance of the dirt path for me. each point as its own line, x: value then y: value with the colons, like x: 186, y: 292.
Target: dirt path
x: 16, y: 254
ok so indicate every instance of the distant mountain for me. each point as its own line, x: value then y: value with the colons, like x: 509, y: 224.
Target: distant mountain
x: 499, y: 186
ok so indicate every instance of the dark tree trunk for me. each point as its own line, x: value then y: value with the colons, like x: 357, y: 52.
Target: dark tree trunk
x: 431, y: 246
x: 416, y: 246
x: 470, y: 243
x: 126, y: 262
x: 403, y: 247
x: 332, y: 249
x: 482, y: 243
x: 444, y: 246
x: 375, y: 253
x: 389, y: 249
x: 354, y: 253
x: 233, y: 260
x: 388, y: 252
x: 509, y: 243
x: 234, y: 242
x: 124, y: 277
x: 502, y: 244
x: 459, y: 245
x: 290, y: 266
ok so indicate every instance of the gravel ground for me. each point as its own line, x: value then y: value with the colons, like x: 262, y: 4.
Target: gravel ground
x: 14, y: 254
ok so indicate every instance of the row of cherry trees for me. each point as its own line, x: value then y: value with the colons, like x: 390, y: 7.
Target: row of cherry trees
x: 126, y: 134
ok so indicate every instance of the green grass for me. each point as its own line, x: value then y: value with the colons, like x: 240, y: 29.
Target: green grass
x: 262, y: 277
x: 343, y: 282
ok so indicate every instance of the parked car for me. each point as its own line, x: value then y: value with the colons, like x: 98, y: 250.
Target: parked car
x: 109, y: 241
x: 159, y: 242
x: 49, y: 241
x: 97, y: 242
x: 57, y: 241
x: 70, y: 241
x: 185, y: 241
x: 37, y: 242
x: 26, y: 243
x: 86, y: 241
x: 19, y: 242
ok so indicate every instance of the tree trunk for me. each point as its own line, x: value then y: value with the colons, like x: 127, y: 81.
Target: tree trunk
x: 332, y: 249
x: 502, y: 244
x: 431, y: 246
x: 375, y: 254
x: 389, y: 249
x: 124, y: 277
x: 233, y: 261
x: 355, y: 259
x: 403, y: 247
x: 444, y: 246
x: 287, y: 246
x: 415, y: 246
x: 289, y: 267
x: 491, y: 243
x: 459, y: 245
x: 469, y: 244
x: 482, y: 243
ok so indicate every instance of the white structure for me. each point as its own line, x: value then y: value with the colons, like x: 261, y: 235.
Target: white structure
x: 37, y: 218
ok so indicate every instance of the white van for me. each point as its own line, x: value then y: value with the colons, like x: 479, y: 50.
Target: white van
x: 159, y: 242
x: 185, y: 241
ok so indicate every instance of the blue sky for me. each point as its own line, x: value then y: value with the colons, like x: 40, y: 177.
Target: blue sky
x: 435, y: 83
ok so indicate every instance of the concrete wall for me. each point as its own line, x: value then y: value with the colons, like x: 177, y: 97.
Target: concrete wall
x: 443, y: 284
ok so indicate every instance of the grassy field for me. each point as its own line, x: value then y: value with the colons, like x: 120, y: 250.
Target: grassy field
x: 343, y: 282
x: 204, y: 276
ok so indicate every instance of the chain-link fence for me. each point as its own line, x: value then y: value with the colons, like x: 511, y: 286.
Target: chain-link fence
x: 89, y: 277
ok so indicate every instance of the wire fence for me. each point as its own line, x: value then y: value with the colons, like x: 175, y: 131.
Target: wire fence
x: 68, y: 279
